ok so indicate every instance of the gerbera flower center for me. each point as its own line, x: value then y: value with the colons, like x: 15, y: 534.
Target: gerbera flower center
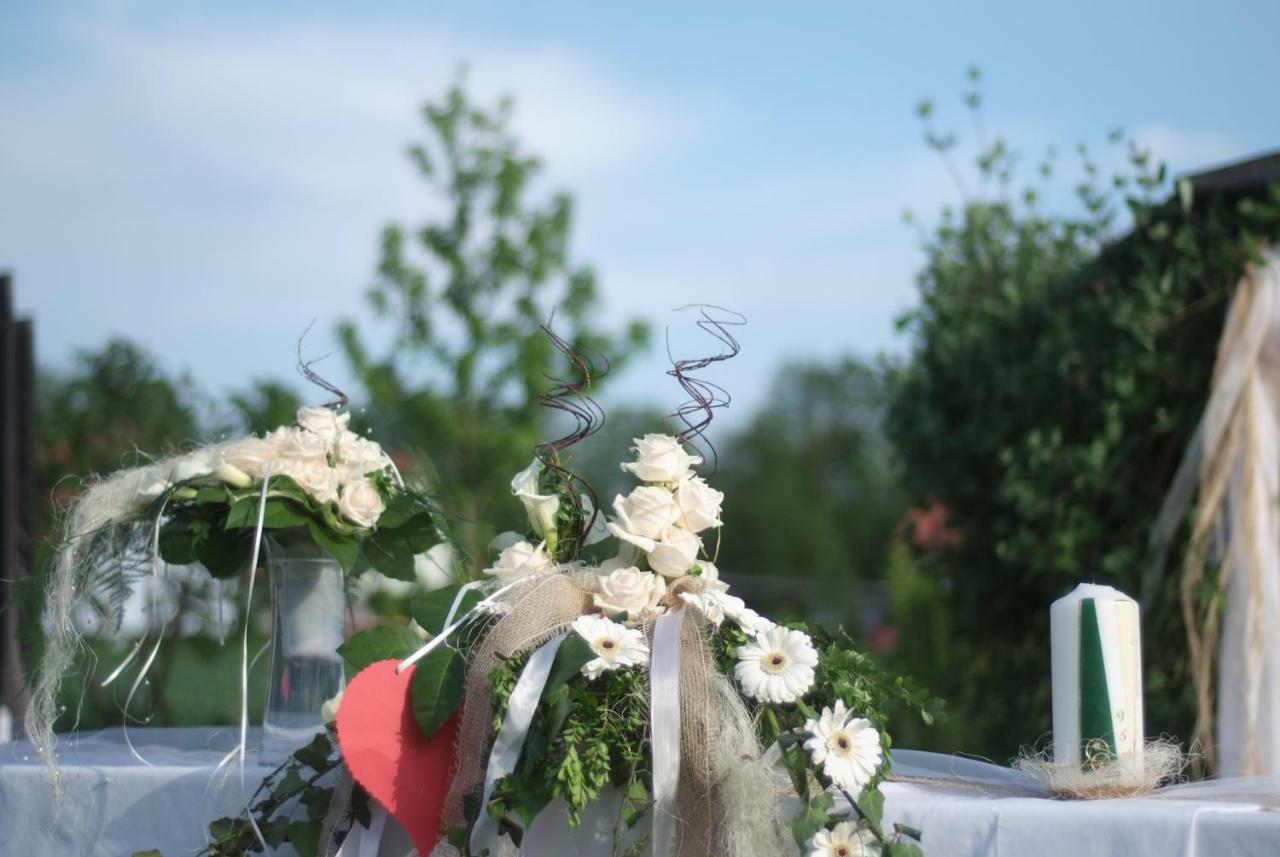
x: 775, y: 663
x: 607, y: 645
x: 841, y: 743
x: 841, y: 850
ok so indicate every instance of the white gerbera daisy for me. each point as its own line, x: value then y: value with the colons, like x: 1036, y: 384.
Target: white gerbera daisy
x: 716, y: 605
x: 778, y: 666
x: 615, y: 645
x: 843, y: 840
x: 847, y: 747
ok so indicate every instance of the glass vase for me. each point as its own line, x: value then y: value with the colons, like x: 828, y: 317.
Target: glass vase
x: 308, y: 624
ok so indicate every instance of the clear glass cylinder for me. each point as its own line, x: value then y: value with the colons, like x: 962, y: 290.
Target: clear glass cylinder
x: 308, y: 624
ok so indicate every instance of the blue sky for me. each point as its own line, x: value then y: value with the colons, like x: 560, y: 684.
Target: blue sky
x: 207, y: 179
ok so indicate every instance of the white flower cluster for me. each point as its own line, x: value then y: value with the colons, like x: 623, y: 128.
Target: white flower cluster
x: 661, y: 520
x: 663, y: 517
x: 321, y: 455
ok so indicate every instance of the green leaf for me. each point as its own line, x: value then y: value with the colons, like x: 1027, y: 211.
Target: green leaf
x: 400, y: 508
x: 573, y: 655
x: 903, y: 849
x: 315, y: 755
x: 385, y: 642
x: 304, y: 836
x: 345, y: 549
x: 178, y: 541
x: 813, y: 819
x: 907, y: 830
x: 213, y: 494
x: 154, y: 852
x: 225, y: 554
x: 436, y: 688
x: 871, y: 803
x: 280, y: 512
x: 385, y: 553
x: 391, y: 549
x: 430, y: 609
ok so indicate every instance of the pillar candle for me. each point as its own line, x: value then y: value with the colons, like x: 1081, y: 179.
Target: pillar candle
x: 1097, y: 677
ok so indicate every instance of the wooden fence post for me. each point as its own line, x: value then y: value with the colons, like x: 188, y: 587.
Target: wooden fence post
x: 17, y: 490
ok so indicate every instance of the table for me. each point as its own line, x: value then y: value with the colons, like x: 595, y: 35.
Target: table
x: 115, y: 805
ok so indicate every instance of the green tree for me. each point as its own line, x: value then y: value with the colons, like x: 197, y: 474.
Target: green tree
x: 810, y: 488
x: 1057, y: 373
x: 456, y: 367
x: 266, y: 405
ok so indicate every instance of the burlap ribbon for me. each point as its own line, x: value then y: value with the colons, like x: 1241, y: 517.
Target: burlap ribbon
x: 545, y: 608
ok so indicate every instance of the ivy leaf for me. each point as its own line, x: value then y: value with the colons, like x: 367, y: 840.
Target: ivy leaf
x: 154, y: 852
x: 871, y: 803
x: 304, y: 836
x: 573, y: 655
x: 385, y: 642
x: 903, y: 849
x: 907, y: 830
x: 436, y: 688
x: 345, y: 549
x: 813, y: 819
x: 429, y: 610
x: 315, y: 755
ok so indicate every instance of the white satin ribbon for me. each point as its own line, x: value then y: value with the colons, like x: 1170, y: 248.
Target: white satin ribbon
x: 439, y: 639
x: 365, y: 842
x: 664, y: 728
x: 238, y: 752
x: 510, y: 741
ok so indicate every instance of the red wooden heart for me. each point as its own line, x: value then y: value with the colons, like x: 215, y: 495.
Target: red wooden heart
x: 387, y: 754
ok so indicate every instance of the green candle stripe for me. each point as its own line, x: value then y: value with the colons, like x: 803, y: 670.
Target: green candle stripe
x: 1095, y: 700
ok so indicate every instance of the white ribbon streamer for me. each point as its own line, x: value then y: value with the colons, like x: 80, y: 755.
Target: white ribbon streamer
x: 664, y: 728
x: 365, y: 842
x: 439, y: 639
x: 510, y: 741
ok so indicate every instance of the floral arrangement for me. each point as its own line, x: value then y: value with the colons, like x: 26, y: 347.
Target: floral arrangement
x: 323, y: 484
x: 771, y: 715
x: 805, y: 693
x: 600, y: 667
x: 313, y: 487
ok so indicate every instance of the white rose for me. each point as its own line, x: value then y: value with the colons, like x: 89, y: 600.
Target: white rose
x: 672, y: 555
x: 675, y: 553
x: 360, y: 503
x: 541, y: 508
x: 325, y: 422
x: 646, y: 511
x: 699, y: 504
x: 518, y: 561
x: 660, y: 458
x: 300, y: 444
x: 632, y: 591
x: 255, y: 456
x: 360, y: 455
x: 314, y: 476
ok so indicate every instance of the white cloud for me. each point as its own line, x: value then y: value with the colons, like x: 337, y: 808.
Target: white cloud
x: 194, y: 185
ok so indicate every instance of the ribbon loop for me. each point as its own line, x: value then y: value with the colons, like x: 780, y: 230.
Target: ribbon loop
x: 510, y: 741
x: 664, y: 725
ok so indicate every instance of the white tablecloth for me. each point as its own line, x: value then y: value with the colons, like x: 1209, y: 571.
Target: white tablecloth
x: 115, y: 805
